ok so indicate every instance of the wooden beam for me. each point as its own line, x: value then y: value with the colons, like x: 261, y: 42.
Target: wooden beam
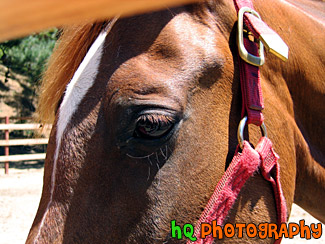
x: 21, y: 17
x: 20, y: 126
x: 22, y: 157
x: 26, y: 142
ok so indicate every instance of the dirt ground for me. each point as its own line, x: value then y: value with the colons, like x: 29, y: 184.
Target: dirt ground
x: 19, y: 197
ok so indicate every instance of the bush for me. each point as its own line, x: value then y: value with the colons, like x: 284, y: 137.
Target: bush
x: 27, y: 56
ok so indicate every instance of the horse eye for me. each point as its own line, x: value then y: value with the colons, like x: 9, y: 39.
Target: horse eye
x: 153, y: 126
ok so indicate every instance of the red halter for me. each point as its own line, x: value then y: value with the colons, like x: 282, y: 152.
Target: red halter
x: 249, y: 160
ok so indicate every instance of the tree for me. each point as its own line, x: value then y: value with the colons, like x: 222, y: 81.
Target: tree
x: 28, y: 57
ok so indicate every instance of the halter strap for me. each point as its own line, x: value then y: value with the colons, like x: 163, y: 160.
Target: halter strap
x: 250, y: 79
x: 242, y: 167
x: 249, y: 160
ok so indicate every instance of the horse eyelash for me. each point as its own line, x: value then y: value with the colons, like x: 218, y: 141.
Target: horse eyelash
x: 156, y: 118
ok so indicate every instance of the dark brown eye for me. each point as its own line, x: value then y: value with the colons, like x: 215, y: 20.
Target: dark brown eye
x: 152, y: 126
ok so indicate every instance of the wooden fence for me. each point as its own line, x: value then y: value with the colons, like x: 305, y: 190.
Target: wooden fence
x: 6, y: 143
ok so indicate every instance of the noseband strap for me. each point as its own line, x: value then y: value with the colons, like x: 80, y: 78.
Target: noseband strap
x: 247, y: 160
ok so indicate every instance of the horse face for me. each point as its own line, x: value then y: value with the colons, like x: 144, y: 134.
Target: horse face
x: 141, y: 135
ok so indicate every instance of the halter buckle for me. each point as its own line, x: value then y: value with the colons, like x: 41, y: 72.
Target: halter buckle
x: 244, y: 54
x: 272, y: 41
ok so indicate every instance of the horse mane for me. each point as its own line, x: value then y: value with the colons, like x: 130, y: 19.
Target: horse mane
x: 70, y: 49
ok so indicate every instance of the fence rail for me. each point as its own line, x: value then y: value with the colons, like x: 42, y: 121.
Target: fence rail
x: 21, y: 142
x: 6, y: 143
x: 20, y: 126
x: 22, y: 157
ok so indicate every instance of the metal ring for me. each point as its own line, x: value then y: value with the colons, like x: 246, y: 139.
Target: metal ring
x: 240, y: 131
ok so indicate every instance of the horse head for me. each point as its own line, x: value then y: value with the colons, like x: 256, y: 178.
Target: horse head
x: 146, y: 115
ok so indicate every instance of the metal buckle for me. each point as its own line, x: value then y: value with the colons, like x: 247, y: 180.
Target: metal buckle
x: 240, y: 131
x: 244, y: 54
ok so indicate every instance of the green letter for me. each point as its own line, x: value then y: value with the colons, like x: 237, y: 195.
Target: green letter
x: 189, y: 234
x: 175, y: 227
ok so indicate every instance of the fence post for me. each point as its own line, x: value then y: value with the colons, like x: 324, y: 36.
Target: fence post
x: 7, y: 147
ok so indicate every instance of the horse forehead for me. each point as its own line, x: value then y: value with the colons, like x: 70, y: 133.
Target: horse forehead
x: 186, y: 33
x: 189, y: 37
x: 183, y: 48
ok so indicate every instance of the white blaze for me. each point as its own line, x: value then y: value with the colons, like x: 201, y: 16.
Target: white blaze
x: 80, y: 83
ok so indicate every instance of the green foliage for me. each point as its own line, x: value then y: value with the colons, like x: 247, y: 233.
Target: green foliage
x: 26, y: 56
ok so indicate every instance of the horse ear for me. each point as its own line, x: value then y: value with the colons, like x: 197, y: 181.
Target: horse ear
x: 71, y: 48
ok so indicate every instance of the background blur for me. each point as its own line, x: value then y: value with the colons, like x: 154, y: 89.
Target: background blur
x: 22, y: 62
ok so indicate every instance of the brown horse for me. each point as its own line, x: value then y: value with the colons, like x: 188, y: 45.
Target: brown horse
x: 146, y: 114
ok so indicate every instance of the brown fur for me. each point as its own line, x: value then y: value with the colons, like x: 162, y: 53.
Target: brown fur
x: 182, y: 65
